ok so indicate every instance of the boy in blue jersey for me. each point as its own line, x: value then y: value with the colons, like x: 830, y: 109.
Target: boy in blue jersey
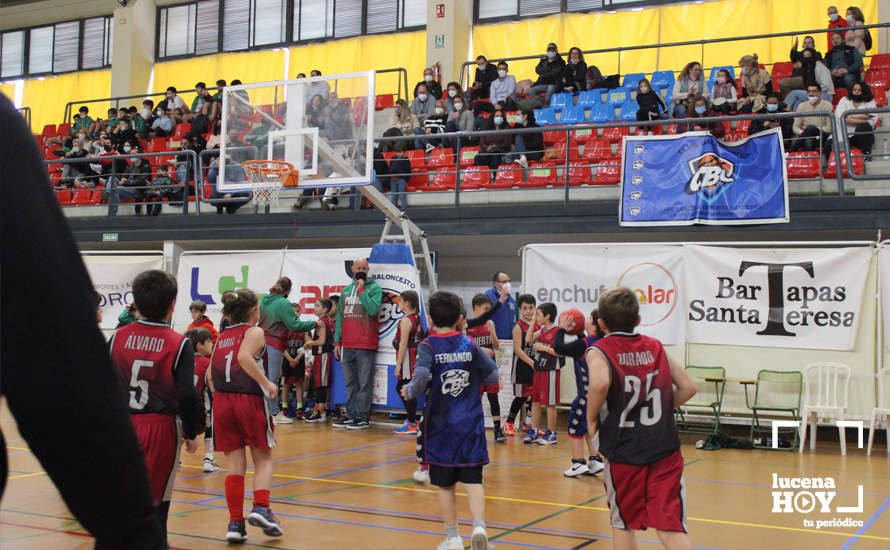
x: 454, y: 446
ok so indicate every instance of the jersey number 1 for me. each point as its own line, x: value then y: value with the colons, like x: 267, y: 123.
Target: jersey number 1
x: 140, y: 385
x: 650, y: 413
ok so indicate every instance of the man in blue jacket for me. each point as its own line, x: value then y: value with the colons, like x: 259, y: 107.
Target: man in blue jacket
x: 505, y: 316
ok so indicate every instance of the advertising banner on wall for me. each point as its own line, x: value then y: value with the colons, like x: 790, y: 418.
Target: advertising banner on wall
x: 782, y: 297
x: 884, y: 271
x: 574, y: 275
x: 319, y: 273
x: 112, y: 277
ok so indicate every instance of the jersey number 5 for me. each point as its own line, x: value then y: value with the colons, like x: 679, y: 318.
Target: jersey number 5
x: 140, y: 386
x: 650, y: 413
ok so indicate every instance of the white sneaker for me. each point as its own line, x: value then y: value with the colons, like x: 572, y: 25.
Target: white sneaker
x: 522, y: 161
x: 480, y: 539
x: 282, y: 418
x: 594, y: 467
x: 451, y: 543
x: 576, y: 470
x: 209, y: 466
x: 422, y: 476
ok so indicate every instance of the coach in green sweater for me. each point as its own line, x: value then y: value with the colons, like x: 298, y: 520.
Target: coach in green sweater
x: 355, y: 343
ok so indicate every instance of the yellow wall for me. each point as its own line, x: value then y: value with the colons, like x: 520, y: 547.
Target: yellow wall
x: 675, y: 23
x: 47, y: 96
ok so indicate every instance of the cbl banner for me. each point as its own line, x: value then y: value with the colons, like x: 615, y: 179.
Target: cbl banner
x: 694, y: 178
x: 112, y: 277
x: 791, y: 298
x: 574, y: 275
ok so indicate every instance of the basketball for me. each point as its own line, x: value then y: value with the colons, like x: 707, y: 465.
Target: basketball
x: 576, y: 316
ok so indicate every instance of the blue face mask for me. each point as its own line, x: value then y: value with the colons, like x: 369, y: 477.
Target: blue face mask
x: 772, y: 107
x: 700, y: 109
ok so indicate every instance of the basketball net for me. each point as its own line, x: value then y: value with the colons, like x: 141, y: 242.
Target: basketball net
x: 267, y: 177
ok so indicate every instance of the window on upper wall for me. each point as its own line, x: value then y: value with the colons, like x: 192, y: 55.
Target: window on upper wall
x: 97, y: 33
x: 12, y: 54
x: 393, y: 15
x: 188, y: 29
x: 493, y: 10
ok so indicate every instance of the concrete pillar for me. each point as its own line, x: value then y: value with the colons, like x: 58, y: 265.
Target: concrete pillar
x: 448, y: 27
x: 883, y: 36
x: 134, y: 48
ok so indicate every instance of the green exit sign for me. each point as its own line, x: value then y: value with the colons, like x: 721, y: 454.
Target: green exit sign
x: 109, y: 237
x: 440, y: 40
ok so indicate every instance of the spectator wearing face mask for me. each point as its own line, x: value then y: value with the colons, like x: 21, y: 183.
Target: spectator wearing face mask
x: 110, y: 122
x: 433, y: 124
x: 71, y: 172
x: 492, y: 147
x: 163, y: 124
x: 433, y: 87
x: 812, y: 72
x: 453, y: 90
x: 652, y: 107
x: 132, y: 183
x: 173, y: 101
x: 689, y: 85
x: 83, y: 123
x: 810, y: 130
x: 724, y: 96
x: 756, y: 82
x: 795, y: 81
x: 844, y: 62
x: 856, y: 36
x: 575, y: 72
x: 860, y: 128
x: 486, y: 73
x: 403, y: 119
x: 550, y: 72
x: 526, y: 146
x: 122, y: 134
x: 460, y: 119
x: 771, y: 107
x: 201, y: 104
x: 701, y: 109
x: 835, y: 23
x: 423, y: 105
x: 503, y: 88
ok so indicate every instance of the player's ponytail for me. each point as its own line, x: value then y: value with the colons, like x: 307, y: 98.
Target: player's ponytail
x: 282, y: 286
x: 237, y: 305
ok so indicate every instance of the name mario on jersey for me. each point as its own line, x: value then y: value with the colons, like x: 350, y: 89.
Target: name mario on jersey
x: 144, y: 343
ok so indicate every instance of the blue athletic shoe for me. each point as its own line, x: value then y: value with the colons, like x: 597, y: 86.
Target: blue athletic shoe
x: 408, y: 428
x: 236, y: 532
x: 263, y: 518
x: 531, y: 435
x: 547, y: 438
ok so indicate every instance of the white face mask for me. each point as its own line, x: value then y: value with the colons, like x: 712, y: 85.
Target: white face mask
x: 458, y: 106
x: 127, y: 148
x: 551, y: 55
x: 502, y: 73
x: 498, y: 120
x: 483, y: 66
x: 440, y: 111
x: 428, y: 77
x: 851, y: 20
x: 815, y: 100
x: 452, y: 92
x: 833, y: 17
x: 146, y: 113
x: 160, y: 113
x: 81, y: 136
x: 507, y: 287
x: 422, y: 97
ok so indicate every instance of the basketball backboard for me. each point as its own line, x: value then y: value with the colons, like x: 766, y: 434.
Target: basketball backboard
x: 322, y: 125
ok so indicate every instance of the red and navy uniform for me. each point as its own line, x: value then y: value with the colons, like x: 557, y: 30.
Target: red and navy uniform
x: 406, y: 369
x: 481, y: 334
x: 324, y: 355
x: 202, y: 392
x: 293, y: 344
x: 156, y: 371
x: 577, y: 350
x: 523, y: 374
x: 240, y: 413
x: 545, y: 388
x: 638, y: 436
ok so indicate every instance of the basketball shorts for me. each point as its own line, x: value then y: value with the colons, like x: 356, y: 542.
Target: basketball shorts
x: 522, y: 374
x: 545, y: 389
x: 292, y: 375
x: 490, y: 388
x: 577, y: 421
x: 321, y: 370
x: 647, y: 495
x: 158, y: 436
x: 241, y: 420
x: 442, y: 476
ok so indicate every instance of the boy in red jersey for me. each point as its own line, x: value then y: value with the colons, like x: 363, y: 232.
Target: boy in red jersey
x: 322, y: 347
x: 486, y: 339
x: 634, y: 389
x: 241, y: 414
x: 198, y: 310
x: 202, y: 341
x: 545, y: 387
x: 408, y: 334
x: 523, y: 364
x: 156, y: 368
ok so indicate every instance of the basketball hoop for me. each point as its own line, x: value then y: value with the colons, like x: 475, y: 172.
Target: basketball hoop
x: 267, y: 177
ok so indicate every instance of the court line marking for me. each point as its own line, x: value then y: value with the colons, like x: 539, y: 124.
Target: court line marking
x: 575, y: 506
x: 22, y: 476
x: 867, y: 525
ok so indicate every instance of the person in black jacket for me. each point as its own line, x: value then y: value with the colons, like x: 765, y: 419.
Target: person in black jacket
x: 550, y: 70
x: 132, y: 184
x: 400, y: 173
x: 772, y: 106
x: 433, y: 87
x: 111, y: 498
x: 527, y: 146
x: 485, y: 75
x: 651, y: 104
x: 574, y: 76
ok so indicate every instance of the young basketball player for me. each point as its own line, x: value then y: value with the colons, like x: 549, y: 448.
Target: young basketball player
x: 202, y: 342
x: 486, y: 338
x: 523, y: 364
x: 454, y: 368
x: 241, y: 414
x: 294, y: 370
x: 546, y: 378
x: 322, y: 353
x: 408, y: 334
x: 156, y: 367
x: 577, y: 421
x: 640, y: 386
x: 198, y: 309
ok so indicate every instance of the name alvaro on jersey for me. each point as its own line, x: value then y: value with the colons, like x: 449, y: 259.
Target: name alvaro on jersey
x: 144, y: 343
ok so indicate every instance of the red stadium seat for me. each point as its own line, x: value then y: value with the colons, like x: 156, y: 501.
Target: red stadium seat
x: 554, y: 136
x: 156, y: 145
x: 879, y: 61
x: 614, y: 135
x: 181, y: 130
x: 419, y: 172
x: 468, y: 156
x: 839, y: 94
x: 560, y: 150
x: 580, y: 174
x: 64, y: 196
x: 49, y: 130
x: 732, y: 137
x: 440, y: 157
x: 96, y: 196
x: 780, y: 71
x: 508, y: 177
x: 384, y: 101
x: 442, y: 179
x: 597, y: 150
x: 672, y: 130
x: 63, y: 128
x: 82, y: 196
x: 540, y: 174
x: 803, y: 165
x: 360, y: 110
x: 609, y: 172
x: 583, y: 135
x: 858, y: 164
x: 880, y: 93
x: 475, y: 177
x: 743, y: 126
x: 878, y: 76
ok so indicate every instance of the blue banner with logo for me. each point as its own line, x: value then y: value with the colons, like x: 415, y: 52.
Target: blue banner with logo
x: 694, y: 178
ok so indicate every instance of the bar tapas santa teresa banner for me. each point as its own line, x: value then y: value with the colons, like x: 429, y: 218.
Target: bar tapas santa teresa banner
x: 808, y: 298
x: 694, y: 178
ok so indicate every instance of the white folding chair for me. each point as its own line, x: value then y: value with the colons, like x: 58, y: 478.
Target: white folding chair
x: 880, y: 414
x: 826, y: 386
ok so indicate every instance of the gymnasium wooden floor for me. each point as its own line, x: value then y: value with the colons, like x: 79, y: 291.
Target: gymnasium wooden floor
x: 335, y: 489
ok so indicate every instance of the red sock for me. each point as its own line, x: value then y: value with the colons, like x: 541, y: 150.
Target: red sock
x: 235, y: 497
x: 261, y: 498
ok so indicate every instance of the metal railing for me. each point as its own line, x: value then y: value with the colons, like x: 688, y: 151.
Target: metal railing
x: 253, y: 153
x: 879, y: 133
x: 113, y: 177
x: 619, y: 51
x: 26, y: 113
